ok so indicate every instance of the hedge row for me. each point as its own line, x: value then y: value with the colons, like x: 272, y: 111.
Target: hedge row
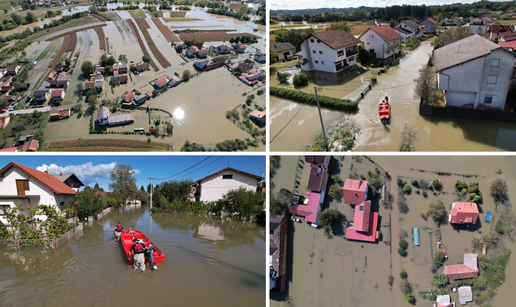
x: 324, y: 101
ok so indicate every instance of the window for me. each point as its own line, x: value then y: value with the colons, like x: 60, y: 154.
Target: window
x: 316, y: 62
x: 4, y: 209
x: 372, y: 35
x: 340, y: 53
x: 22, y: 186
x: 227, y: 176
x: 322, y: 62
x: 312, y: 40
x: 313, y: 51
x: 318, y: 40
x: 495, y: 63
x: 492, y: 79
x: 320, y: 51
x: 351, y: 58
x: 488, y: 99
x: 368, y: 43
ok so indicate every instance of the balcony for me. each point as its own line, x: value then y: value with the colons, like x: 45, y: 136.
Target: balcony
x: 393, y: 46
x: 351, y: 53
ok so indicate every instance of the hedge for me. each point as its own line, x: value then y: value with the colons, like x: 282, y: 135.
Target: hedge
x: 324, y: 101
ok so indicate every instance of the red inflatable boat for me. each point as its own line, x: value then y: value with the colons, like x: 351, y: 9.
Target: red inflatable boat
x: 127, y: 241
x: 384, y: 111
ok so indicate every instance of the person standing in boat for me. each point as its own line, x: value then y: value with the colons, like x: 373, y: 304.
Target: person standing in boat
x: 150, y: 249
x: 386, y: 100
x: 138, y: 251
x: 118, y: 231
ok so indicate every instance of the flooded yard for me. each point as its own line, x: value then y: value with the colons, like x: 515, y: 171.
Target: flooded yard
x: 209, y: 262
x: 333, y: 272
x: 432, y: 133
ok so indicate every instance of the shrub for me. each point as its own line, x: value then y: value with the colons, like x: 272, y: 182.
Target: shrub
x: 282, y: 77
x: 432, y: 297
x: 491, y: 292
x: 499, y: 190
x: 439, y: 259
x: 409, y: 298
x: 324, y: 101
x: 403, y: 274
x: 390, y: 280
x: 301, y: 79
x: 402, y: 251
x: 425, y: 194
x: 483, y: 297
x: 436, y: 183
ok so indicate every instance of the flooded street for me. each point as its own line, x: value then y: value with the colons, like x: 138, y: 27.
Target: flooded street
x: 433, y: 133
x: 209, y: 262
x: 340, y: 272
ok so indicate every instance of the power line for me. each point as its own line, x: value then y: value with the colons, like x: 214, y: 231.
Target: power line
x: 311, y: 100
x: 372, y: 89
x: 203, y: 166
x: 161, y: 179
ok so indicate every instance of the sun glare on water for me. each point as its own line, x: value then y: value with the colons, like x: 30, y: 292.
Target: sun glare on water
x: 179, y: 113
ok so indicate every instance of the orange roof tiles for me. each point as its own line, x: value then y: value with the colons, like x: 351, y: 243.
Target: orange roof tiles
x: 385, y: 32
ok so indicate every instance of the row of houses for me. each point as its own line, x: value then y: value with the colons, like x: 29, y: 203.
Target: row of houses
x: 53, y: 87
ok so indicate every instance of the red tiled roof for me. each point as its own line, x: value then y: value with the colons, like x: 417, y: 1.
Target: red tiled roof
x: 354, y: 191
x: 310, y: 210
x: 129, y: 97
x: 10, y: 149
x: 123, y: 79
x: 362, y: 216
x: 52, y: 183
x: 57, y: 93
x: 89, y: 84
x: 161, y: 81
x: 402, y: 30
x: 31, y: 145
x: 459, y: 271
x: 204, y: 51
x: 431, y: 20
x: 370, y: 235
x: 463, y: 212
x: 385, y: 32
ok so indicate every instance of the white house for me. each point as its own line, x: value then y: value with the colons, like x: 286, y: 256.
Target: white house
x: 407, y: 28
x: 383, y: 39
x: 478, y: 26
x: 70, y: 180
x: 329, y: 51
x: 474, y: 72
x: 218, y: 184
x: 24, y: 187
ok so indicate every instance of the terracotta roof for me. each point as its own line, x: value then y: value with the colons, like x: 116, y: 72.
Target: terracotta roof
x: 478, y: 21
x: 204, y: 51
x: 129, y: 96
x: 335, y: 38
x: 385, y: 32
x: 462, y: 271
x: 123, y: 79
x: 500, y: 28
x: 49, y: 181
x: 161, y: 81
x: 463, y: 212
x: 431, y: 20
x: 362, y: 216
x: 10, y: 149
x: 354, y: 191
x: 32, y: 145
x: 89, y: 84
x: 57, y: 93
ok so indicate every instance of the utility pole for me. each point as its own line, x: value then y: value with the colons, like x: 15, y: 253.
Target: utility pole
x: 151, y: 193
x: 320, y: 117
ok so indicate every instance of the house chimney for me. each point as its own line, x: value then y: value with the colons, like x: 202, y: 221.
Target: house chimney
x: 60, y: 174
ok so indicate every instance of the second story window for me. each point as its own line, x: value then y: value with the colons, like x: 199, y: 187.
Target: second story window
x: 340, y: 53
x: 22, y: 186
x: 312, y: 40
x: 318, y: 40
x: 313, y: 51
x: 320, y: 52
x: 227, y: 176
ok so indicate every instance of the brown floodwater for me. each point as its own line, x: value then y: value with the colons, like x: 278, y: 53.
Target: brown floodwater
x: 337, y: 272
x: 433, y: 133
x: 209, y: 262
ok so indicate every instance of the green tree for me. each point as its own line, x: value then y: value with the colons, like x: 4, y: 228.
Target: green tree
x: 146, y: 59
x: 246, y: 203
x: 123, y: 183
x: 329, y: 217
x: 283, y: 77
x: 335, y: 191
x: 68, y: 62
x: 169, y: 128
x: 107, y: 70
x: 403, y: 244
x: 439, y: 259
x: 17, y: 19
x: 86, y: 203
x: 273, y: 56
x: 440, y: 17
x: 499, y: 190
x: 340, y: 26
x: 426, y: 85
x: 279, y: 203
x: 186, y: 75
x: 92, y: 102
x: 88, y: 68
x: 440, y: 280
x: 392, y: 23
x: 403, y: 275
x: 30, y: 17
x: 407, y: 189
x: 293, y: 36
x: 437, y: 211
x: 409, y: 298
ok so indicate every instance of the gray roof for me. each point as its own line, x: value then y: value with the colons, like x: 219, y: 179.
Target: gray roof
x: 63, y: 177
x: 275, y: 239
x: 463, y: 51
x: 40, y: 93
x: 99, y: 83
x: 103, y: 112
x: 411, y: 24
x: 279, y: 47
x: 122, y: 118
x: 140, y: 97
x: 465, y: 295
x: 44, y: 85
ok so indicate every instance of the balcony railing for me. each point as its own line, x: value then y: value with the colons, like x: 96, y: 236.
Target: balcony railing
x: 350, y: 53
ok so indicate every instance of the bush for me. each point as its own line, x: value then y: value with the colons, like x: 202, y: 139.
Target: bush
x: 483, y: 297
x: 403, y: 274
x: 301, y: 79
x: 283, y: 77
x: 409, y: 298
x: 432, y: 297
x: 491, y: 292
x: 390, y: 280
x: 403, y: 244
x: 401, y: 251
x: 324, y: 101
x: 439, y: 259
x: 186, y: 75
x: 499, y: 190
x: 436, y: 183
x: 425, y: 194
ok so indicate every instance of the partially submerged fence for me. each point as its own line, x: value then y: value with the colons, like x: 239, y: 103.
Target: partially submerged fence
x: 489, y: 114
x: 366, y: 90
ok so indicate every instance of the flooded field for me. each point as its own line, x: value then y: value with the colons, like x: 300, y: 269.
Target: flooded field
x: 338, y: 272
x: 433, y: 133
x: 209, y: 262
x: 199, y: 105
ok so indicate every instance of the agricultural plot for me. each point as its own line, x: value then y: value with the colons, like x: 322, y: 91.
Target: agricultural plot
x: 237, y: 6
x: 59, y: 54
x: 72, y: 42
x: 137, y: 34
x: 177, y: 13
x: 159, y: 56
x: 167, y: 33
x: 5, y: 6
x: 99, y: 17
x: 73, y: 31
x: 144, y: 21
x: 107, y: 145
x: 137, y: 14
x: 213, y: 36
x: 102, y: 37
x: 179, y: 19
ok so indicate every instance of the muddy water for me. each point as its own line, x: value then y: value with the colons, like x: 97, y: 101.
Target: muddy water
x: 209, y: 262
x: 335, y: 272
x: 434, y: 133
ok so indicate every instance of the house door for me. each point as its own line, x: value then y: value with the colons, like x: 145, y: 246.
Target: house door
x: 286, y: 55
x: 20, y: 186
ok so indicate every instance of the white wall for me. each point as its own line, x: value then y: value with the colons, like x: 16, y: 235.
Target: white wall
x: 472, y: 77
x: 47, y: 197
x: 372, y: 40
x: 477, y: 29
x: 214, y: 188
x: 328, y: 56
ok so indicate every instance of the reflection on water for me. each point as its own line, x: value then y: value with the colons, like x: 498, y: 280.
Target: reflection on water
x: 201, y: 268
x: 433, y: 133
x: 178, y: 113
